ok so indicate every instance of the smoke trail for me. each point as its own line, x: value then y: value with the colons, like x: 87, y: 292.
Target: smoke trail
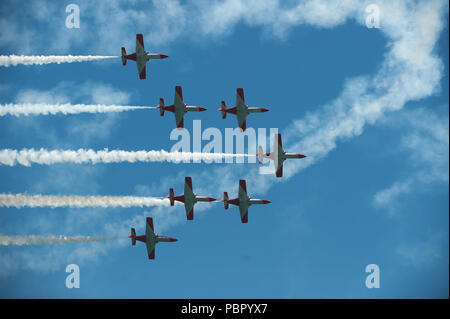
x: 8, y: 60
x: 26, y: 157
x: 21, y: 200
x: 51, y: 239
x: 45, y: 109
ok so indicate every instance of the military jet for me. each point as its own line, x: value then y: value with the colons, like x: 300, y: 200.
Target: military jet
x: 241, y: 110
x: 150, y: 238
x: 243, y: 201
x: 178, y: 108
x: 141, y: 56
x: 278, y: 155
x: 189, y: 198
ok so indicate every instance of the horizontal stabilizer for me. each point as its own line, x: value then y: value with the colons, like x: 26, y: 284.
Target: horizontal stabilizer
x: 161, y: 106
x: 224, y: 110
x: 260, y: 154
x: 225, y: 200
x: 171, y: 197
x: 123, y: 56
x: 133, y: 236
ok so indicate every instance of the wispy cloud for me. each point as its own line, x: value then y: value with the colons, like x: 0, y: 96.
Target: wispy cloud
x: 426, y: 145
x: 425, y: 253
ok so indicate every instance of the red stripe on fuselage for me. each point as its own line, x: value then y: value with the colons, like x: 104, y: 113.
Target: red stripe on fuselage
x: 170, y: 108
x: 131, y: 56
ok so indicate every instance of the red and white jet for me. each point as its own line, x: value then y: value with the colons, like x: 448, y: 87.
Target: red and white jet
x: 141, y: 56
x: 241, y: 110
x: 178, y: 108
x: 243, y: 201
x: 188, y: 198
x: 150, y: 238
x: 278, y: 155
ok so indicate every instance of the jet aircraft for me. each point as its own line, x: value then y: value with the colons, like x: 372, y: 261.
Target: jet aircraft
x: 188, y: 198
x: 140, y: 56
x: 243, y: 201
x: 178, y: 108
x: 150, y: 238
x: 278, y: 155
x: 241, y: 110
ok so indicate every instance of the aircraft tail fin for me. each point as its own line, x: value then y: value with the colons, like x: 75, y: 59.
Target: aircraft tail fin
x: 224, y: 110
x: 225, y: 200
x: 161, y: 106
x: 133, y: 236
x: 171, y: 197
x: 123, y: 56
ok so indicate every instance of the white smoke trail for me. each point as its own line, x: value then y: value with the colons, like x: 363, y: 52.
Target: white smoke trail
x: 26, y: 157
x: 51, y: 239
x: 45, y: 109
x: 21, y: 200
x: 8, y: 60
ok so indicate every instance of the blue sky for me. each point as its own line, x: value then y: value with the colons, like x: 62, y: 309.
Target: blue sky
x: 368, y: 106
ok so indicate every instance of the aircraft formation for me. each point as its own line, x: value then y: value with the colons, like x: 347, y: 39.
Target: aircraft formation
x: 179, y: 108
x: 189, y: 198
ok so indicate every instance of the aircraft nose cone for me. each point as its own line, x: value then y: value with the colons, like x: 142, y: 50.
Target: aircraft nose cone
x: 211, y: 199
x: 163, y: 56
x: 265, y: 201
x: 201, y: 109
x: 129, y: 236
x: 263, y: 109
x: 301, y: 156
x: 173, y: 239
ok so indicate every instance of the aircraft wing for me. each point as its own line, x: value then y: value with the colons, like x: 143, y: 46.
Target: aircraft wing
x: 140, y: 51
x: 189, y: 206
x: 279, y: 172
x: 150, y: 238
x: 178, y: 99
x: 140, y: 56
x: 189, y: 198
x: 179, y: 118
x: 240, y: 101
x: 150, y: 249
x: 241, y: 109
x: 241, y: 117
x: 243, y: 201
x: 141, y: 69
x: 242, y: 190
x: 243, y: 209
x: 278, y: 150
x: 179, y: 107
